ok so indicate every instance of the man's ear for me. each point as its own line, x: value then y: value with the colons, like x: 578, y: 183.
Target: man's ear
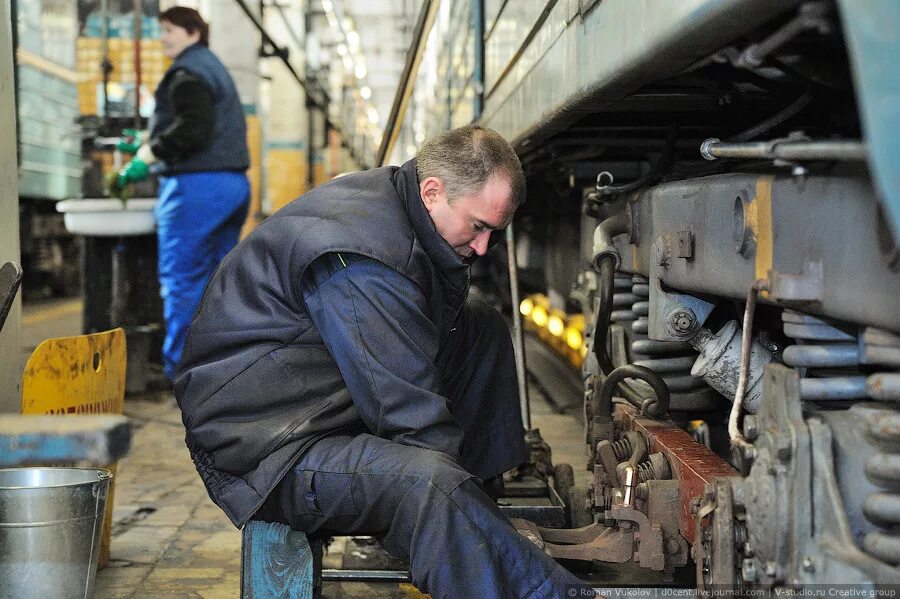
x: 432, y: 191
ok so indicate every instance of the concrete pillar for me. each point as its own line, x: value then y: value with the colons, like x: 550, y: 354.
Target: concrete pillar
x: 285, y: 102
x: 234, y: 39
x: 11, y: 335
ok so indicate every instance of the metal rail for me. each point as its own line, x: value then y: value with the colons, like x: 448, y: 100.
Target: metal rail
x: 334, y: 575
x: 407, y: 80
x: 785, y: 149
x: 312, y: 92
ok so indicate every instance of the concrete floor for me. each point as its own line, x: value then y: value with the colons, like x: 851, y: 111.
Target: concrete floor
x: 168, y: 538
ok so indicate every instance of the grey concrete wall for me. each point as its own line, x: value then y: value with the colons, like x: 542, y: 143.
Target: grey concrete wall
x: 11, y: 335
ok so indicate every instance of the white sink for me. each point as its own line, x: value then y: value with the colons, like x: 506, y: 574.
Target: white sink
x: 101, y: 217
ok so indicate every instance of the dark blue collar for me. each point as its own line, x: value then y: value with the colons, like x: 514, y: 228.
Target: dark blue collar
x: 439, y: 251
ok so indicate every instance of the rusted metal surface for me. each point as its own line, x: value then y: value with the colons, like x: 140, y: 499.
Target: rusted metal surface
x: 693, y: 465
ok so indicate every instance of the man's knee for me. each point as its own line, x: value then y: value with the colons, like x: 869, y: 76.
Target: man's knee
x: 486, y: 323
x: 435, y: 469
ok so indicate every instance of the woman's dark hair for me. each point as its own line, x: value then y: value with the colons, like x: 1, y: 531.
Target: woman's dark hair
x: 189, y: 19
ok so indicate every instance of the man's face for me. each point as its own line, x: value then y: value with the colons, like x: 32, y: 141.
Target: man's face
x: 467, y: 222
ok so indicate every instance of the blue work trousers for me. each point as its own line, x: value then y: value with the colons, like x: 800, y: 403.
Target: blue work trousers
x: 422, y: 505
x: 198, y: 220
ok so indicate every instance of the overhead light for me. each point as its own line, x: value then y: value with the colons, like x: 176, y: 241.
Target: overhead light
x: 348, y: 63
x: 326, y: 4
x: 341, y: 50
x: 361, y: 71
x: 353, y: 39
x: 366, y: 92
x: 373, y: 116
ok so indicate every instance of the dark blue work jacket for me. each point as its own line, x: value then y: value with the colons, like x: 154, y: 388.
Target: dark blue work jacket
x: 226, y: 149
x: 257, y: 384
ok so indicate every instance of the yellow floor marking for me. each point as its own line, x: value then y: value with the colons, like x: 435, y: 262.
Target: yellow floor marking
x: 52, y: 312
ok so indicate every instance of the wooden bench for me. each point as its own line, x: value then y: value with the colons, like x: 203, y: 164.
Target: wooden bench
x: 278, y: 561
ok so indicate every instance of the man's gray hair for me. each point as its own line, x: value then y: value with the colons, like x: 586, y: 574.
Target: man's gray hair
x: 466, y: 158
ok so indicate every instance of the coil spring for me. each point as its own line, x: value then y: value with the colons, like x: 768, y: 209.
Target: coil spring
x: 670, y: 359
x: 882, y: 507
x: 828, y: 360
x: 622, y: 299
x: 646, y: 472
x: 827, y: 356
x: 622, y: 449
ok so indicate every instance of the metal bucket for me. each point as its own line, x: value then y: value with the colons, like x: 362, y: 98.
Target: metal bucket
x: 50, y: 522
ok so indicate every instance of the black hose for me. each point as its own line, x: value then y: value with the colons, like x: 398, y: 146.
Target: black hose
x: 773, y: 121
x: 606, y: 269
x: 651, y: 407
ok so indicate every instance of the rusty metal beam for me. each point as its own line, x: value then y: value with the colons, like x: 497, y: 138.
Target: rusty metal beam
x: 693, y: 464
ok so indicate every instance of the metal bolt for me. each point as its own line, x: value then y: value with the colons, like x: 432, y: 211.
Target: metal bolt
x: 682, y: 321
x: 751, y: 427
x: 784, y: 451
x: 771, y: 569
x: 748, y: 570
x: 809, y: 564
x: 672, y: 547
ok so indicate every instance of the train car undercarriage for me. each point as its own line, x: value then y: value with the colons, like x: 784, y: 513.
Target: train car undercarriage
x: 743, y: 290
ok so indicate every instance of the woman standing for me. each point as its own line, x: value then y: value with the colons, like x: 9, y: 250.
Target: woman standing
x: 198, y: 135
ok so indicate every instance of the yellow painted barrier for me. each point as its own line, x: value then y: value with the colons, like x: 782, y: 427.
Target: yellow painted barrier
x: 84, y: 374
x: 254, y: 173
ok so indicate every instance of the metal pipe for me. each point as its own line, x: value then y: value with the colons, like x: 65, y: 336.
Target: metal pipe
x: 478, y: 58
x: 405, y: 87
x: 811, y: 15
x: 734, y: 432
x: 138, y: 30
x: 335, y: 575
x: 311, y: 90
x: 518, y: 332
x: 105, y: 64
x: 785, y: 149
x: 603, y: 238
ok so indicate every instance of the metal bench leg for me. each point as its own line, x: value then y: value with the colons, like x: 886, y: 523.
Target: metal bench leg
x: 278, y: 562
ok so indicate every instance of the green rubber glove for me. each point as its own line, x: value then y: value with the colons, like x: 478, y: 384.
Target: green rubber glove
x: 133, y: 171
x: 130, y: 142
